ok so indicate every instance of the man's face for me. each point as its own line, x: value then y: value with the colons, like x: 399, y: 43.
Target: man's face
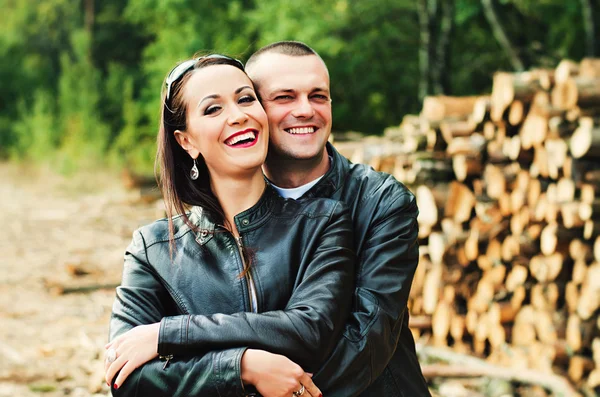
x: 295, y: 94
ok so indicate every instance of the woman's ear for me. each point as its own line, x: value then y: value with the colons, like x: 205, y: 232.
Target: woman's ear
x: 184, y: 141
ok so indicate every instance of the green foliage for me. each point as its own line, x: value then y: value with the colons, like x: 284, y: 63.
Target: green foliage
x: 83, y: 94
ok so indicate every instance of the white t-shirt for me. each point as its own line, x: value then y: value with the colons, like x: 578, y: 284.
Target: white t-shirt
x: 296, y: 192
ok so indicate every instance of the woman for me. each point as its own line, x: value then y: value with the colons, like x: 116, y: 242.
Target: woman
x: 245, y: 274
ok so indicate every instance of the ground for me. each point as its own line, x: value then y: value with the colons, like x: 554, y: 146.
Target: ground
x: 60, y: 233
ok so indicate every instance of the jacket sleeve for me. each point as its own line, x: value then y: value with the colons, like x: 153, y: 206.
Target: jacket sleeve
x: 386, y: 264
x: 143, y: 299
x: 305, y: 331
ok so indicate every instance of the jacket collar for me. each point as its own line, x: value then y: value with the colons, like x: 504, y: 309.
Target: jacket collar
x: 245, y: 221
x: 334, y: 178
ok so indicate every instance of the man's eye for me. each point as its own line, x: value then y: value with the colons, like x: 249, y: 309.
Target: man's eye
x: 212, y: 109
x: 283, y: 97
x: 247, y: 99
x: 321, y: 97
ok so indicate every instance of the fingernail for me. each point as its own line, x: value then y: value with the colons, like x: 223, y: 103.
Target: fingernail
x: 320, y: 394
x: 116, y: 386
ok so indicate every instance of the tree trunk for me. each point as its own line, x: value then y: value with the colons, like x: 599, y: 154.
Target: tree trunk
x: 438, y: 66
x: 501, y: 37
x: 424, y: 61
x: 588, y: 26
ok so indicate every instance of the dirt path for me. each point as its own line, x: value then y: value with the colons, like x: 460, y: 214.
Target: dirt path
x: 51, y: 229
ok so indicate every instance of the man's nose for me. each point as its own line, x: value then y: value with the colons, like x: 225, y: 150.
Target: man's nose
x: 304, y: 110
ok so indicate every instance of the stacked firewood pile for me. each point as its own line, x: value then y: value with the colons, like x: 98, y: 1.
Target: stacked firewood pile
x: 508, y: 188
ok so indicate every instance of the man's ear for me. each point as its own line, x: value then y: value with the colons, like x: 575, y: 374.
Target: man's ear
x: 184, y: 141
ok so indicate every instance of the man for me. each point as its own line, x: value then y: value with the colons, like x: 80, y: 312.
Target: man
x: 376, y: 355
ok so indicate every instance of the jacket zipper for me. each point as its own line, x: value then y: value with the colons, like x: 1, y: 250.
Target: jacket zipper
x: 251, y: 288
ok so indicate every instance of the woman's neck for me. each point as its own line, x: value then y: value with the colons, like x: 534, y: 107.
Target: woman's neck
x: 237, y: 194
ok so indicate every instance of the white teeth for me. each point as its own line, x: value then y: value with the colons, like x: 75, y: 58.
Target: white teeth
x: 241, y: 137
x: 303, y: 130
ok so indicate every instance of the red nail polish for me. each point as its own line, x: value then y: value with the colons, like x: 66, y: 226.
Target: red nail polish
x: 320, y: 394
x: 116, y: 386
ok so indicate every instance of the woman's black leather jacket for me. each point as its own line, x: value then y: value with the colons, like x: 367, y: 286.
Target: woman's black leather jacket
x: 294, y: 300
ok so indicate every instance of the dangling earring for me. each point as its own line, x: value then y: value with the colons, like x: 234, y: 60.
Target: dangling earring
x: 194, y: 173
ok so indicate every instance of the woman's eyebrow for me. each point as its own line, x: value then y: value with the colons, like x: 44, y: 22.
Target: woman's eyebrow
x: 242, y: 89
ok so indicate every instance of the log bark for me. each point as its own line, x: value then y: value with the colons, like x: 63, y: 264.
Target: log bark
x: 576, y: 91
x: 438, y: 108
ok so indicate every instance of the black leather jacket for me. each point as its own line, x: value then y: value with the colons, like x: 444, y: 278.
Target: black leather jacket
x: 376, y: 356
x: 294, y: 301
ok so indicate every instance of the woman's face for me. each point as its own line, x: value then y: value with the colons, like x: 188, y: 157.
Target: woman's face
x: 225, y: 122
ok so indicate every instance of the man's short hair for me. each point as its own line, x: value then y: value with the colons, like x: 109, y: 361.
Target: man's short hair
x: 291, y: 48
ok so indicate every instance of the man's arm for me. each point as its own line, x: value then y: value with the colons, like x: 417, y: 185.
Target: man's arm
x: 385, y: 269
x: 142, y: 299
x: 305, y: 331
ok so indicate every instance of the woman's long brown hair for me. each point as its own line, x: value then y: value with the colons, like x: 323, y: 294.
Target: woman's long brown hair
x: 173, y: 163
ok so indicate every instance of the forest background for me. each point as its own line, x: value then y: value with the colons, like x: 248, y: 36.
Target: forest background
x: 81, y: 80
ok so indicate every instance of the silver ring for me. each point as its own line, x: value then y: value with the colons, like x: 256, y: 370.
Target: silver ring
x: 300, y: 392
x: 111, y: 355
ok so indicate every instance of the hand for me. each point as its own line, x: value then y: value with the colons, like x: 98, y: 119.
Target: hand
x: 274, y: 375
x: 134, y: 348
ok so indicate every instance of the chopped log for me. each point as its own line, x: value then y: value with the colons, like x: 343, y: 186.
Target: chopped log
x: 544, y: 327
x: 517, y: 298
x: 588, y: 192
x: 559, y: 127
x: 523, y: 332
x: 438, y: 244
x: 540, y: 168
x: 534, y: 131
x: 489, y: 131
x: 431, y: 288
x: 516, y: 113
x: 589, y: 297
x: 556, y: 238
x: 580, y: 367
x: 517, y: 276
x: 542, y: 106
x: 589, y: 68
x: 579, y: 271
x: 576, y: 91
x: 508, y: 87
x: 546, y: 268
x: 585, y: 141
x: 461, y: 201
x: 472, y: 145
x: 437, y: 108
x: 496, y: 152
x: 481, y: 109
x: 571, y: 215
x: 573, y: 332
x: 578, y: 250
x: 571, y: 296
x: 544, y: 297
x: 557, y: 150
x: 588, y: 211
x: 512, y: 147
x: 590, y: 229
x: 565, y: 69
x: 440, y: 323
x: 428, y: 214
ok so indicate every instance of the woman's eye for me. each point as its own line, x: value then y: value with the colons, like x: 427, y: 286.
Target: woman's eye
x: 212, y: 109
x: 247, y: 99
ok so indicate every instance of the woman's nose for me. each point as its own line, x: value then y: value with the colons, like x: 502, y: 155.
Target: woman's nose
x: 237, y: 116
